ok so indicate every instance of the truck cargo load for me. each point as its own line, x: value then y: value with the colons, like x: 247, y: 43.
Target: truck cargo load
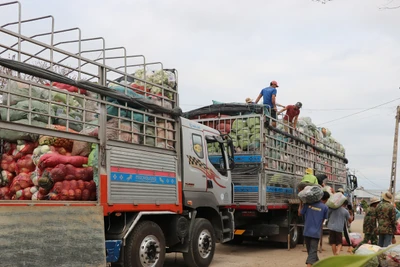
x: 269, y: 164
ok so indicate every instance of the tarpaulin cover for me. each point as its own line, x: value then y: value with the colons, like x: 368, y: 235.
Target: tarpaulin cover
x: 232, y: 109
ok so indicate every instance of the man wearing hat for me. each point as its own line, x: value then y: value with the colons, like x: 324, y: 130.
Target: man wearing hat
x: 340, y: 190
x: 369, y: 224
x: 308, y: 179
x: 386, y: 217
x: 249, y: 101
x: 291, y: 116
x: 269, y: 100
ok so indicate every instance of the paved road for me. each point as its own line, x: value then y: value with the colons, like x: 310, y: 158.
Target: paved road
x: 260, y: 254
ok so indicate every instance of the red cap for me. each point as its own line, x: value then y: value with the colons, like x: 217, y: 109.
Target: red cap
x: 274, y: 83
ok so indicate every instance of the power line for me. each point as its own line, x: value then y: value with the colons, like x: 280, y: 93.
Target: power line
x: 358, y: 112
x: 379, y: 186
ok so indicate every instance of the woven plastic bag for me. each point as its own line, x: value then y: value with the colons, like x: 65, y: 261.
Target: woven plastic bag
x: 367, y: 249
x: 336, y: 200
x: 311, y: 194
x: 390, y: 258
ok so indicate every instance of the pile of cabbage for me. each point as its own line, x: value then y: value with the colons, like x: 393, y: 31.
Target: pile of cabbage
x: 160, y: 77
x: 245, y: 134
x: 323, y: 137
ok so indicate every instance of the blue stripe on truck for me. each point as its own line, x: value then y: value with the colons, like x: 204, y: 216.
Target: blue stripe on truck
x: 269, y: 189
x: 142, y: 178
x: 238, y: 159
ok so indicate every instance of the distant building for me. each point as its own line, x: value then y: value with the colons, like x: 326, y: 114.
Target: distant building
x: 363, y: 194
x: 366, y: 194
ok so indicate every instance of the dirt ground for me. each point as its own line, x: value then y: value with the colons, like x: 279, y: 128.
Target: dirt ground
x: 263, y: 254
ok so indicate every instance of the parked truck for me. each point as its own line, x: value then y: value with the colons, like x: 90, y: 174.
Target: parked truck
x: 97, y: 165
x: 269, y: 164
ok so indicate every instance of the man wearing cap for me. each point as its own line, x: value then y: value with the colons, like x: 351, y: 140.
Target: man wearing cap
x: 386, y: 217
x: 291, y: 116
x: 369, y: 224
x: 269, y: 100
x: 309, y: 177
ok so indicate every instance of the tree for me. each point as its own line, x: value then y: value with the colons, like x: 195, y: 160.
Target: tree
x: 364, y: 204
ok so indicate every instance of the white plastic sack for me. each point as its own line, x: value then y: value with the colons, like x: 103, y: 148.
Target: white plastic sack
x: 328, y: 189
x: 311, y: 194
x: 367, y: 249
x: 391, y: 258
x: 336, y: 201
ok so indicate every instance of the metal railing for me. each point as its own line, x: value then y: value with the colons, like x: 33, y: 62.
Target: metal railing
x: 81, y: 112
x: 279, y: 152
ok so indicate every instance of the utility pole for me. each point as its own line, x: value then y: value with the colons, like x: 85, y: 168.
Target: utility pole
x: 392, y: 188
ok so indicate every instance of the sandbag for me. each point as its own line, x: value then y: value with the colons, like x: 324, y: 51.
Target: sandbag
x: 367, y: 249
x: 336, y: 200
x: 311, y: 194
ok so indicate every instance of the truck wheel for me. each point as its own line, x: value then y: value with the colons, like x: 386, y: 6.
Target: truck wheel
x: 145, y: 246
x: 202, y: 244
x: 294, y: 236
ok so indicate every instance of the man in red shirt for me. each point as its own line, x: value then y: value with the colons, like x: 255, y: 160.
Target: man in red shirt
x: 291, y: 116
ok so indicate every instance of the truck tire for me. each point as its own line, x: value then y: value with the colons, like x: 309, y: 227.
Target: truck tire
x: 202, y: 244
x: 294, y: 236
x: 145, y: 246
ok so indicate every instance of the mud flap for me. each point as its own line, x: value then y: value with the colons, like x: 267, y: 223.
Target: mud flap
x: 52, y: 236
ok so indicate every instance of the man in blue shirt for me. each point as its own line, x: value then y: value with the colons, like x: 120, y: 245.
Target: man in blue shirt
x: 314, y: 215
x: 269, y: 95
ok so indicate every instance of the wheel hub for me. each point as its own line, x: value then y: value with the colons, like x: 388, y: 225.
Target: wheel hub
x: 294, y: 234
x: 205, y: 244
x: 149, y: 252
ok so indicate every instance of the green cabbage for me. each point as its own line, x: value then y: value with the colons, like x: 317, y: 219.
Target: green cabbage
x: 238, y: 124
x: 244, y: 133
x: 251, y: 122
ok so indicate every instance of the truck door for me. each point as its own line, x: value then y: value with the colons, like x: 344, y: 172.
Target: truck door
x: 199, y: 173
x: 194, y: 158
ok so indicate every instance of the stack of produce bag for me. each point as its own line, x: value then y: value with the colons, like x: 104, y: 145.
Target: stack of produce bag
x: 367, y: 249
x: 391, y: 257
x: 311, y: 133
x: 311, y: 194
x: 47, y: 170
x: 58, y: 112
x: 336, y: 200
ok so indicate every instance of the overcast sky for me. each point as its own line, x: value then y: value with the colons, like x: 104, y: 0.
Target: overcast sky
x: 337, y: 58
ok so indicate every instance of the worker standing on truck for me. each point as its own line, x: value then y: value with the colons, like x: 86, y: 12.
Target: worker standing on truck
x: 269, y: 100
x: 314, y: 215
x: 291, y: 116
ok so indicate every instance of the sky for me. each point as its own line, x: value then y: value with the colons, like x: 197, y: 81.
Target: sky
x: 337, y: 58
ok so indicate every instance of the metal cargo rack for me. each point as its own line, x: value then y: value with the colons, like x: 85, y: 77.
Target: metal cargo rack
x: 36, y: 41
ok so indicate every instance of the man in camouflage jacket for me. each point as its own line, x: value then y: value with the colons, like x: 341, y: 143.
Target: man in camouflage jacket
x: 386, y: 217
x: 369, y: 224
